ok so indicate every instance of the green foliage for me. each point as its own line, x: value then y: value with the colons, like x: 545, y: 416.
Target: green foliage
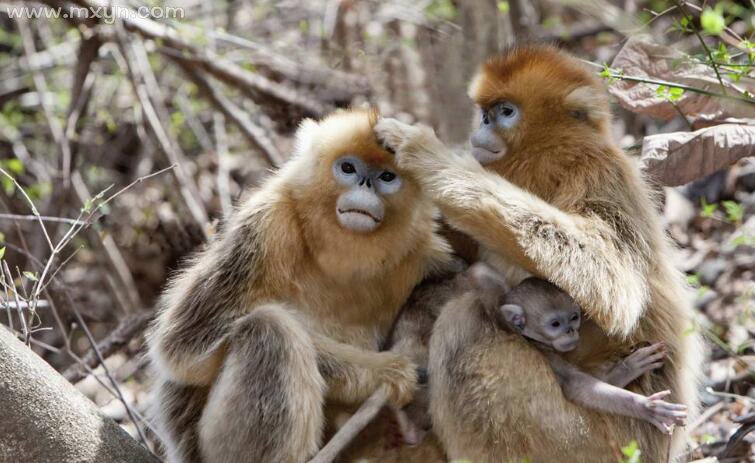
x: 669, y: 93
x: 631, y: 453
x: 442, y: 9
x: 610, y: 75
x: 2, y: 252
x: 743, y: 240
x: 734, y: 211
x: 13, y: 166
x: 503, y: 7
x: 39, y: 190
x: 707, y: 439
x: 707, y: 209
x: 694, y: 281
x: 712, y: 20
x: 31, y: 276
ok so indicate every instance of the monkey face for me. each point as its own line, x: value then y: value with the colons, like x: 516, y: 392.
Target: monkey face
x: 561, y: 327
x: 360, y: 207
x: 487, y: 142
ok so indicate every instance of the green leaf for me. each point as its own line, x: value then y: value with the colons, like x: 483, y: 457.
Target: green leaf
x: 14, y: 165
x: 712, y: 21
x: 503, y: 7
x: 442, y: 9
x: 32, y: 276
x: 707, y: 439
x: 2, y: 252
x: 632, y: 452
x: 708, y: 209
x: 734, y: 211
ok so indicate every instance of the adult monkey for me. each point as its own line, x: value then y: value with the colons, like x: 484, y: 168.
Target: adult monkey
x: 557, y: 199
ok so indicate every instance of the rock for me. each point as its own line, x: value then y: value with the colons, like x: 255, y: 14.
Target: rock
x: 710, y: 270
x: 678, y: 210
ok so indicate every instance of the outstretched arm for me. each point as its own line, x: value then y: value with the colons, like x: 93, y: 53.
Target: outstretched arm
x: 590, y: 392
x: 579, y: 253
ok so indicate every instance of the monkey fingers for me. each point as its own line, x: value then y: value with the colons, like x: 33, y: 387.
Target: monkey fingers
x: 664, y: 413
x: 637, y: 364
x: 399, y: 376
x: 412, y: 145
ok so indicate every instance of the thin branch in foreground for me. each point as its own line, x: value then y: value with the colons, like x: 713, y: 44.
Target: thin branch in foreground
x: 44, y: 218
x: 34, y: 210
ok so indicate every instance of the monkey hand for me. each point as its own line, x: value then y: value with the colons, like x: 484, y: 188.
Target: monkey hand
x: 416, y: 147
x: 661, y: 414
x: 399, y: 376
x: 637, y: 364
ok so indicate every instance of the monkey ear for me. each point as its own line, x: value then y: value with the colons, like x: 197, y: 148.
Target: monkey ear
x: 514, y: 316
x: 588, y: 103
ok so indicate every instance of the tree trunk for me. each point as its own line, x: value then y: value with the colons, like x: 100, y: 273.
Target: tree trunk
x: 43, y: 418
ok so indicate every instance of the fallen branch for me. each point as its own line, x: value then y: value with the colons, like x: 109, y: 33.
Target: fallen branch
x: 127, y: 329
x: 254, y: 133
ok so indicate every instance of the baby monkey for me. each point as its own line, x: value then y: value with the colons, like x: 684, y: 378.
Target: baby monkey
x: 543, y: 313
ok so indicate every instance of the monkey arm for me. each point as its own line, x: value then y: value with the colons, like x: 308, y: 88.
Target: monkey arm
x: 590, y: 392
x: 197, y: 311
x: 353, y: 374
x: 577, y: 252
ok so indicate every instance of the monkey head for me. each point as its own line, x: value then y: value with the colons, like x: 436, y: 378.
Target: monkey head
x: 537, y: 309
x: 532, y: 100
x: 352, y: 201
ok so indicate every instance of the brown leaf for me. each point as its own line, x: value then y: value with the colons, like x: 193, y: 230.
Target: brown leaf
x: 640, y: 58
x: 680, y: 157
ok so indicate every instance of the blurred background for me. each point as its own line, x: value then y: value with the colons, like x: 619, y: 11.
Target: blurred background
x: 126, y: 134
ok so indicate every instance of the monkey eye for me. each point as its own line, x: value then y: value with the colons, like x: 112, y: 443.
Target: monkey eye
x: 348, y: 168
x: 575, y: 317
x: 507, y: 110
x: 387, y: 176
x: 555, y: 323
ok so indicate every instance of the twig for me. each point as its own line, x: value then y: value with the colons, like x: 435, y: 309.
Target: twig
x: 97, y: 353
x: 748, y: 425
x: 254, y: 133
x: 31, y: 205
x: 256, y: 86
x: 126, y: 330
x: 40, y: 84
x: 44, y: 218
x: 691, y: 19
x: 356, y: 423
x: 138, y: 71
x: 131, y: 300
x: 618, y: 75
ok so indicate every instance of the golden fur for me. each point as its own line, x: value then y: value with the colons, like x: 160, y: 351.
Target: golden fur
x: 565, y: 204
x: 286, y: 309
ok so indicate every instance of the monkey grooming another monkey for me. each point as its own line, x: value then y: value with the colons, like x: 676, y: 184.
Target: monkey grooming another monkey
x: 542, y: 313
x: 546, y: 192
x: 284, y: 312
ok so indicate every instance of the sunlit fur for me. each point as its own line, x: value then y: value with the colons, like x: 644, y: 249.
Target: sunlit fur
x: 566, y: 204
x: 285, y: 308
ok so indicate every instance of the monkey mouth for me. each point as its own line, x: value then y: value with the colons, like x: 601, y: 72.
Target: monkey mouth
x: 485, y: 155
x: 359, y: 211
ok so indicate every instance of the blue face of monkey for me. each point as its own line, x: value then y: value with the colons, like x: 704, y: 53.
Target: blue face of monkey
x: 487, y: 145
x: 360, y: 208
